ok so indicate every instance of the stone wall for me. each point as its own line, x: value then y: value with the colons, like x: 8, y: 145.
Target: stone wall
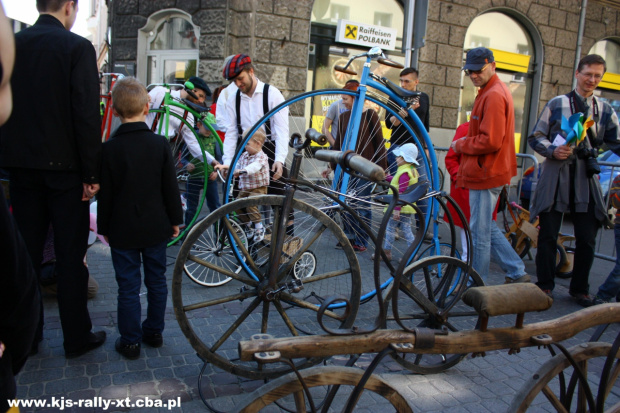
x: 557, y: 22
x: 275, y: 33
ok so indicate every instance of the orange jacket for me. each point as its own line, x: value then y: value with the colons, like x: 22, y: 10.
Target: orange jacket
x: 488, y: 152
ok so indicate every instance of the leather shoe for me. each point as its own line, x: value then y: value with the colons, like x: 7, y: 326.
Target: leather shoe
x: 130, y: 351
x: 153, y: 340
x: 94, y: 340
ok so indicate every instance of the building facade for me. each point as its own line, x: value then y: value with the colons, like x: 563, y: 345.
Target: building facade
x: 293, y: 45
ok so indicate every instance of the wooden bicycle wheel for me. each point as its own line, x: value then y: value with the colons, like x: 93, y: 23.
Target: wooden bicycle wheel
x: 286, y: 393
x: 555, y: 387
x: 215, y: 319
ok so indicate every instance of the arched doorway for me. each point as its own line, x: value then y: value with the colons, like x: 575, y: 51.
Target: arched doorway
x: 515, y: 56
x: 168, y: 48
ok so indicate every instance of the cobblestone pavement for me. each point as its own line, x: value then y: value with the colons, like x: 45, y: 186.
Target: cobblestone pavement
x: 172, y: 371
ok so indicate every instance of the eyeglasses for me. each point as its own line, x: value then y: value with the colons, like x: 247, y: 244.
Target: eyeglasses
x: 475, y: 72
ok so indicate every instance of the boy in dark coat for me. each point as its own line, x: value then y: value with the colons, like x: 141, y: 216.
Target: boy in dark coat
x: 139, y: 209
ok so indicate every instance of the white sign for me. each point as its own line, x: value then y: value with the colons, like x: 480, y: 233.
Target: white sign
x: 363, y: 34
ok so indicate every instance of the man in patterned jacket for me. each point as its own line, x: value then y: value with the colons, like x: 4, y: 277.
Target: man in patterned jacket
x: 567, y: 182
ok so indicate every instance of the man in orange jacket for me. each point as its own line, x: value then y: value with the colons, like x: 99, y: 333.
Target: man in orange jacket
x: 488, y: 162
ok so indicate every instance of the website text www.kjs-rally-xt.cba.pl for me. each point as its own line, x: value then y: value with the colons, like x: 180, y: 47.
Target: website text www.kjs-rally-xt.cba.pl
x: 62, y: 403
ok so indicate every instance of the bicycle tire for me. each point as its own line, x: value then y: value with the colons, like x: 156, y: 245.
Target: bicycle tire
x: 215, y: 319
x: 179, y: 153
x: 287, y: 394
x: 299, y: 109
x: 215, y: 247
x: 550, y: 389
x: 445, y: 292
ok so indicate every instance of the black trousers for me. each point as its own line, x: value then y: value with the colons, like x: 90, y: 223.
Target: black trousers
x: 43, y: 197
x: 586, y: 227
x: 19, y: 303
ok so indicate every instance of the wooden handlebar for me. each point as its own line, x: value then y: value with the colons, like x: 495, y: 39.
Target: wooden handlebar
x: 390, y: 63
x: 343, y: 70
x: 459, y: 342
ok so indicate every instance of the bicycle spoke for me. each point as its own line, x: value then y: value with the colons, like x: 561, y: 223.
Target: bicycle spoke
x: 222, y: 270
x: 222, y: 300
x: 242, y: 317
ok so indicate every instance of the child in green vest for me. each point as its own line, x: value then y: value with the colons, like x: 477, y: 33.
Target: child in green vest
x: 196, y: 169
x: 406, y: 175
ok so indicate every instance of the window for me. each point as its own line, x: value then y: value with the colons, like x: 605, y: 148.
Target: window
x: 609, y: 88
x: 170, y: 44
x: 383, y: 19
x: 338, y: 11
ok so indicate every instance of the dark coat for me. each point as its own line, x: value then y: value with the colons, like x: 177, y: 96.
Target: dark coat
x: 55, y: 123
x: 139, y: 200
x: 400, y: 135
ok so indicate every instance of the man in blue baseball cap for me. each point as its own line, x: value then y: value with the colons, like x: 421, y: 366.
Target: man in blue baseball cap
x: 488, y: 162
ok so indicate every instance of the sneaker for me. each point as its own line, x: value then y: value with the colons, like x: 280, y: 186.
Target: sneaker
x: 387, y: 254
x: 153, y: 340
x: 584, y: 300
x: 130, y: 351
x: 598, y: 300
x: 259, y: 234
x: 339, y: 245
x: 525, y: 278
x: 359, y: 248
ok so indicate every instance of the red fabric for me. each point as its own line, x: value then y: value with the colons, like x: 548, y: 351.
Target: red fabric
x: 460, y: 195
x: 212, y: 109
x: 235, y: 66
x: 489, y: 159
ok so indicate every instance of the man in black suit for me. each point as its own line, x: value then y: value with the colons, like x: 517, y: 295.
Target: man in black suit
x: 53, y: 156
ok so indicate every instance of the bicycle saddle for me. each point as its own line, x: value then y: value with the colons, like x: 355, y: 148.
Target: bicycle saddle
x: 403, y: 93
x: 197, y: 108
x: 411, y: 195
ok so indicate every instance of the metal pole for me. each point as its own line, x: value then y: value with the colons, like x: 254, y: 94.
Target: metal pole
x: 582, y: 23
x: 410, y: 10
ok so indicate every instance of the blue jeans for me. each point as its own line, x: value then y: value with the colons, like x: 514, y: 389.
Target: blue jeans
x: 405, y: 225
x: 194, y: 186
x: 127, y: 267
x: 611, y: 287
x: 360, y: 189
x: 488, y: 241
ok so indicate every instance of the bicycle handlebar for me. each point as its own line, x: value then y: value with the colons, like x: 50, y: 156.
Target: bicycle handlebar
x: 316, y: 136
x: 353, y: 161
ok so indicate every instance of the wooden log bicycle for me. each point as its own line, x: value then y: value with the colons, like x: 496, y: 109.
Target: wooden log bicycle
x: 578, y: 379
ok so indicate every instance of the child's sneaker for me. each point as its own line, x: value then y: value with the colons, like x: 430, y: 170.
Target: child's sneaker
x: 259, y: 234
x: 598, y: 300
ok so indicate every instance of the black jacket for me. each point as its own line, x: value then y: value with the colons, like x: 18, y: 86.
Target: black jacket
x: 139, y: 200
x: 400, y: 136
x: 55, y: 123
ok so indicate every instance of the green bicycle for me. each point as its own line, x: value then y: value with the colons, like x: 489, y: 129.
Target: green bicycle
x: 175, y: 118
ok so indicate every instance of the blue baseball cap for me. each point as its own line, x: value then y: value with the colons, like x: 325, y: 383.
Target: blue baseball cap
x: 477, y: 58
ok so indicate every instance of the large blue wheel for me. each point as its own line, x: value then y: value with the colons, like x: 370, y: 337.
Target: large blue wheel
x: 307, y: 111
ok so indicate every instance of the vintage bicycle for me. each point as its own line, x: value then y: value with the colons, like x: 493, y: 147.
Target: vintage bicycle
x: 576, y: 379
x: 108, y: 123
x: 273, y: 298
x: 304, y: 111
x: 186, y: 115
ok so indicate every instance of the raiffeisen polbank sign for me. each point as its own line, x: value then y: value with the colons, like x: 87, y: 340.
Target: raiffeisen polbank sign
x: 362, y: 34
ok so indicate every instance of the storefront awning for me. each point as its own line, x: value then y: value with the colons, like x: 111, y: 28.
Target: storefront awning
x: 513, y: 62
